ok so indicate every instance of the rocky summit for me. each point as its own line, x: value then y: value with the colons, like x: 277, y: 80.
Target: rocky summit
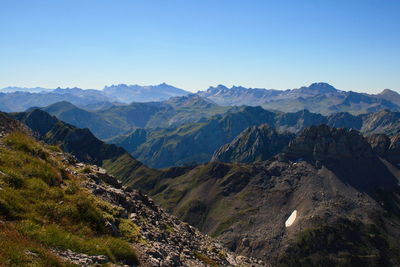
x: 256, y: 143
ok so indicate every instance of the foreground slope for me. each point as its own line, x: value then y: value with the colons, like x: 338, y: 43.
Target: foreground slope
x: 345, y: 196
x: 56, y: 211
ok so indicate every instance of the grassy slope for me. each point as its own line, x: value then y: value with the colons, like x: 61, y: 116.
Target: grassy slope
x: 43, y: 206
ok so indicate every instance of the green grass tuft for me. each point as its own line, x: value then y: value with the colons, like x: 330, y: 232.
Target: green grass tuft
x: 46, y: 207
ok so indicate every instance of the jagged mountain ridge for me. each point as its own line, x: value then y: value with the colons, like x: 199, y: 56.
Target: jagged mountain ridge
x: 135, y: 93
x: 197, y: 142
x: 20, y: 99
x: 256, y: 143
x: 318, y: 97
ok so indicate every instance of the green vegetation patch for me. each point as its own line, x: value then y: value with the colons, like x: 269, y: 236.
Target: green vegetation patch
x: 47, y: 206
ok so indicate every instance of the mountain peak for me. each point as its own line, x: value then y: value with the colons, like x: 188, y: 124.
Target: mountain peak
x: 325, y: 143
x: 137, y: 93
x: 164, y: 84
x: 388, y: 92
x: 256, y: 143
x: 321, y: 87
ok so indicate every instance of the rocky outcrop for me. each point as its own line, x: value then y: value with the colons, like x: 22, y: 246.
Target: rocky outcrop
x: 7, y: 125
x: 322, y: 143
x: 164, y: 240
x: 346, y: 153
x: 345, y: 120
x: 380, y: 143
x: 256, y: 143
x: 81, y: 259
x: 386, y: 147
x: 297, y: 121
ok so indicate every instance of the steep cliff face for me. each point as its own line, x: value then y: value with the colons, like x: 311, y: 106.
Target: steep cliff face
x: 7, y: 124
x: 386, y: 147
x: 345, y: 152
x: 324, y: 143
x: 257, y: 143
x: 345, y: 120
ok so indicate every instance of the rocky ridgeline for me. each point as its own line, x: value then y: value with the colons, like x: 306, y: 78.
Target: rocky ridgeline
x: 323, y: 143
x: 163, y: 240
x: 386, y: 147
x: 8, y: 125
x: 256, y: 143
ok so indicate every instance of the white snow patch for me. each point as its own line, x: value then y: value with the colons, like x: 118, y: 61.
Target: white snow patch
x: 291, y: 219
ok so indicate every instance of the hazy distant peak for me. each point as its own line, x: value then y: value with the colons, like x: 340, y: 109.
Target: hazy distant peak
x: 12, y: 89
x: 136, y: 93
x: 218, y: 87
x: 190, y: 100
x: 320, y: 87
x: 388, y: 92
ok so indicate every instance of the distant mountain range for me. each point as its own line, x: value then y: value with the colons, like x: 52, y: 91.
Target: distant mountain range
x: 19, y: 99
x: 136, y: 93
x: 115, y: 120
x: 320, y: 98
x: 189, y: 129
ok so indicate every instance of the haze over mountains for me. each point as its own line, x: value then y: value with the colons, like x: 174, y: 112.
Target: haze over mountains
x: 318, y: 97
x: 20, y: 99
x: 188, y: 129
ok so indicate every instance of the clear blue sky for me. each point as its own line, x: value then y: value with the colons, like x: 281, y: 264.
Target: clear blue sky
x: 352, y: 44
